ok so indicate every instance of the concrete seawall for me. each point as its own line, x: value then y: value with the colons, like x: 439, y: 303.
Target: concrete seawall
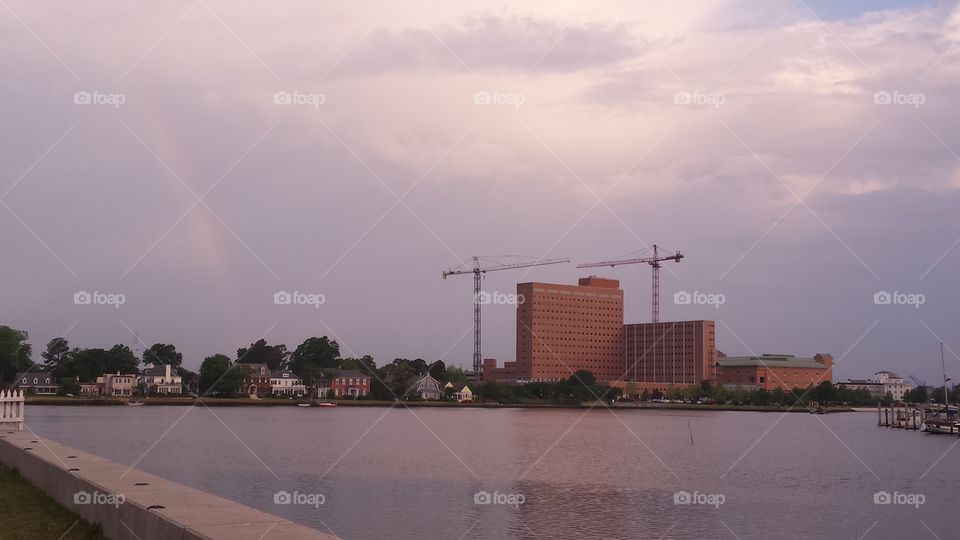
x: 136, y: 505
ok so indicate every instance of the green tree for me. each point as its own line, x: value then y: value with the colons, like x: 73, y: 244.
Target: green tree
x: 69, y: 385
x: 188, y: 378
x: 920, y: 394
x: 583, y: 377
x: 825, y: 392
x: 85, y: 364
x: 220, y: 377
x: 121, y: 358
x: 313, y: 356
x: 162, y: 353
x: 274, y: 356
x: 455, y: 375
x: 438, y: 370
x: 365, y: 364
x: 55, y: 355
x: 15, y: 353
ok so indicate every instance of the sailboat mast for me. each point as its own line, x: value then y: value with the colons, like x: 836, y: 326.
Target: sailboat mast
x: 943, y: 365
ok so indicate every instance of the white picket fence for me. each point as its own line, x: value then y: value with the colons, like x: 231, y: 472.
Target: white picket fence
x: 11, y: 410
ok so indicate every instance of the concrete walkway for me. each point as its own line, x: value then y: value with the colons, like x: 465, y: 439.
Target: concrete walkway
x: 135, y: 505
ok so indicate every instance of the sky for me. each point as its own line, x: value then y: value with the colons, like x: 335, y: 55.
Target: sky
x: 194, y: 159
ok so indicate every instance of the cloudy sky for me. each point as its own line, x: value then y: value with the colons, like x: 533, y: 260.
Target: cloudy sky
x: 199, y: 157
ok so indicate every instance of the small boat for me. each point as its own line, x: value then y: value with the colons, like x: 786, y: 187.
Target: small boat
x: 134, y: 403
x: 944, y: 420
x: 304, y: 405
x: 818, y: 410
x: 326, y: 404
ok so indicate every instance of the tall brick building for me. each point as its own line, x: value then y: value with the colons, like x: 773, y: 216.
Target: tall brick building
x: 678, y: 353
x: 565, y: 328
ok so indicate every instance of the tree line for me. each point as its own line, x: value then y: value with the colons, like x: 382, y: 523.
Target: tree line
x: 220, y: 374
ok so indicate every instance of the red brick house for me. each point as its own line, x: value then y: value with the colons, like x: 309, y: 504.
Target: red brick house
x: 257, y: 381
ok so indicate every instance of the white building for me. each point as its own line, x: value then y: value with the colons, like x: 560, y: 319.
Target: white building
x: 882, y: 383
x: 162, y: 379
x: 286, y: 383
x: 893, y: 384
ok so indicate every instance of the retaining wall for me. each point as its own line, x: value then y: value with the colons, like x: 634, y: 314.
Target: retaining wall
x: 152, y: 508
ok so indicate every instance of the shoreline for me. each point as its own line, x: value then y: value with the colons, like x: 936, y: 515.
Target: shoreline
x: 244, y: 402
x: 123, y: 501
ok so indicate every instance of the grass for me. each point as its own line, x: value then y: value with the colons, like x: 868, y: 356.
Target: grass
x: 26, y: 513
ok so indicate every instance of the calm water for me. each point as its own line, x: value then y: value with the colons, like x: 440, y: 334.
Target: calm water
x: 413, y: 474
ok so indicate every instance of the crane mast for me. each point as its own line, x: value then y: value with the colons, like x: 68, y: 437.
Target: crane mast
x: 655, y: 265
x: 478, y: 272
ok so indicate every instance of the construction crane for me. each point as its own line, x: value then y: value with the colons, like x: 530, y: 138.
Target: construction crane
x: 917, y: 381
x: 477, y: 272
x: 654, y: 263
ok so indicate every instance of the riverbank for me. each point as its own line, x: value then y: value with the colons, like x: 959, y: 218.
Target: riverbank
x: 246, y: 402
x: 128, y: 503
x: 28, y: 513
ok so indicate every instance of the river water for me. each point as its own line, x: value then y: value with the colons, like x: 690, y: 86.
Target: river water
x: 550, y: 473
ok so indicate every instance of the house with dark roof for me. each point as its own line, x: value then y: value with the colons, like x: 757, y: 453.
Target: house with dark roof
x: 36, y: 382
x: 162, y: 379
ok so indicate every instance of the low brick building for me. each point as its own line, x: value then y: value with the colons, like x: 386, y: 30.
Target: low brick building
x: 347, y: 383
x: 771, y: 371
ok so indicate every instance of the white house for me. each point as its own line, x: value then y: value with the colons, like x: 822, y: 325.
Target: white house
x: 882, y: 383
x: 286, y: 383
x: 892, y: 384
x: 162, y: 379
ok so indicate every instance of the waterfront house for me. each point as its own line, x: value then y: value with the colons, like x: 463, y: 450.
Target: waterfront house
x: 426, y: 387
x: 39, y: 383
x: 286, y: 383
x: 116, y: 384
x: 464, y: 394
x: 89, y: 389
x: 162, y: 379
x: 256, y: 383
x: 346, y: 383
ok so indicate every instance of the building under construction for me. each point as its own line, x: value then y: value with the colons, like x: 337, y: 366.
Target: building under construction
x: 565, y: 328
